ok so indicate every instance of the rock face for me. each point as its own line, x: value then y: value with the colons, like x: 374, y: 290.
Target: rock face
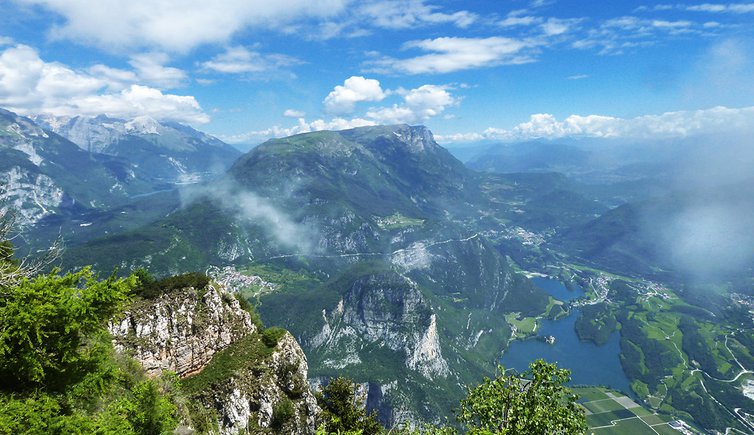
x: 248, y: 401
x: 386, y: 309
x: 184, y: 331
x: 31, y: 195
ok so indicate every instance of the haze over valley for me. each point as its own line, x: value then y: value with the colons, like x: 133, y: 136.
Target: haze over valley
x: 416, y: 191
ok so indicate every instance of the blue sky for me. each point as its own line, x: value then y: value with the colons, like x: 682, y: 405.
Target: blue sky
x: 470, y: 70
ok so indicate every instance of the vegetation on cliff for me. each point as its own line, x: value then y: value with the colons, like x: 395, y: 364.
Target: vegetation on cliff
x: 60, y: 372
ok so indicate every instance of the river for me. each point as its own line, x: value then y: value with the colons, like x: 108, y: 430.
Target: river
x: 589, y: 364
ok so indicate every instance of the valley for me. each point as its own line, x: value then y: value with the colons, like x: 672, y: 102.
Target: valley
x: 394, y: 264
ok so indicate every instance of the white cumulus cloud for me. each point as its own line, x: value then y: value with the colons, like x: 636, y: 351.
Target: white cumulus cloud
x: 343, y: 99
x: 29, y: 85
x: 240, y: 60
x: 418, y: 105
x: 293, y: 113
x: 449, y: 54
x: 174, y: 25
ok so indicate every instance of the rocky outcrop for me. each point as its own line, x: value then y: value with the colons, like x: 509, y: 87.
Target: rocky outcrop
x: 386, y: 309
x: 252, y: 398
x: 182, y: 330
x: 198, y: 333
x: 31, y: 195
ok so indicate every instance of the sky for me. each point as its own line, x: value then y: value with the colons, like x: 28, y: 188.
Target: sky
x: 248, y: 70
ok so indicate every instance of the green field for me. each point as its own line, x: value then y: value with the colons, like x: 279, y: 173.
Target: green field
x: 609, y: 412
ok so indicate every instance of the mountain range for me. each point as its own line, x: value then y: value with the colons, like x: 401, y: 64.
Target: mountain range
x: 119, y: 174
x: 395, y: 264
x: 166, y: 151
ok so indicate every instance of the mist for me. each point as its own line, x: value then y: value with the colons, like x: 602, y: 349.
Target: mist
x: 709, y: 241
x: 707, y: 233
x: 248, y: 207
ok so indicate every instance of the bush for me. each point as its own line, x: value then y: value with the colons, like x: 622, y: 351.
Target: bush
x: 151, y: 288
x: 272, y: 335
x: 343, y: 410
x: 535, y: 403
x: 282, y: 413
x: 149, y: 411
x: 45, y: 322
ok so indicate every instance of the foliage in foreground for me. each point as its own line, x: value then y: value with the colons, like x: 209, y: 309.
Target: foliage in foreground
x: 59, y: 372
x: 343, y: 410
x: 536, y: 402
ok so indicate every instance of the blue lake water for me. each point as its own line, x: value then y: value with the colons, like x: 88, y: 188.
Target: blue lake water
x: 589, y: 363
x: 557, y: 289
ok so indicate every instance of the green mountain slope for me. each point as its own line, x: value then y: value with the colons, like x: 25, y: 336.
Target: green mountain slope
x: 370, y: 221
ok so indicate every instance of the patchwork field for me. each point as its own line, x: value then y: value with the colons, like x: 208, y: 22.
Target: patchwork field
x: 609, y: 412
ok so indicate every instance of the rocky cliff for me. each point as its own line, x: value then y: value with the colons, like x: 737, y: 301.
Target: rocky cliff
x: 386, y: 309
x: 237, y: 377
x: 181, y: 330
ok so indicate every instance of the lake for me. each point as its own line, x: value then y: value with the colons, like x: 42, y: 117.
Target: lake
x: 557, y: 290
x: 589, y: 363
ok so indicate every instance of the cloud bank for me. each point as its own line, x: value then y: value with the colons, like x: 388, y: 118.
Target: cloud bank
x: 29, y: 85
x: 680, y: 124
x: 174, y: 25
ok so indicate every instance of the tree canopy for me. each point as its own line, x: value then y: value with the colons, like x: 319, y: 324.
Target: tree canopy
x: 59, y: 371
x: 534, y: 402
x: 343, y: 410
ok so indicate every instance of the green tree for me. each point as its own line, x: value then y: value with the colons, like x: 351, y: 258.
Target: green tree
x: 536, y: 402
x: 343, y: 410
x: 149, y: 411
x: 47, y: 321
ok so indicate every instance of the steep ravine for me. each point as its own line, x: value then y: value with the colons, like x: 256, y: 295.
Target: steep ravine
x: 238, y: 375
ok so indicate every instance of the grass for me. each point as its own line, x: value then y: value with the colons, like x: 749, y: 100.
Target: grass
x: 524, y: 326
x: 653, y: 419
x: 246, y: 352
x: 397, y: 221
x: 633, y: 426
x: 604, y: 405
x: 604, y: 411
x: 606, y: 418
x: 588, y: 394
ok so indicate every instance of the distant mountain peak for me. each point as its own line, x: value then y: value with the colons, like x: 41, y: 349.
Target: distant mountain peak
x: 164, y: 151
x: 143, y: 125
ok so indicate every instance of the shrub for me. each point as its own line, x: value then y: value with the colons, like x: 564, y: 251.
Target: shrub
x: 272, y: 335
x: 151, y: 288
x: 282, y: 413
x: 535, y: 403
x: 343, y: 410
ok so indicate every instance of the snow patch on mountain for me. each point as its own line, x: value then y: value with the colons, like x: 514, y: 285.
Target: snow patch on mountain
x: 143, y: 125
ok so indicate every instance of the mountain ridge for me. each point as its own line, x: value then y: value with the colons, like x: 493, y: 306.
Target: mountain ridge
x: 166, y: 151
